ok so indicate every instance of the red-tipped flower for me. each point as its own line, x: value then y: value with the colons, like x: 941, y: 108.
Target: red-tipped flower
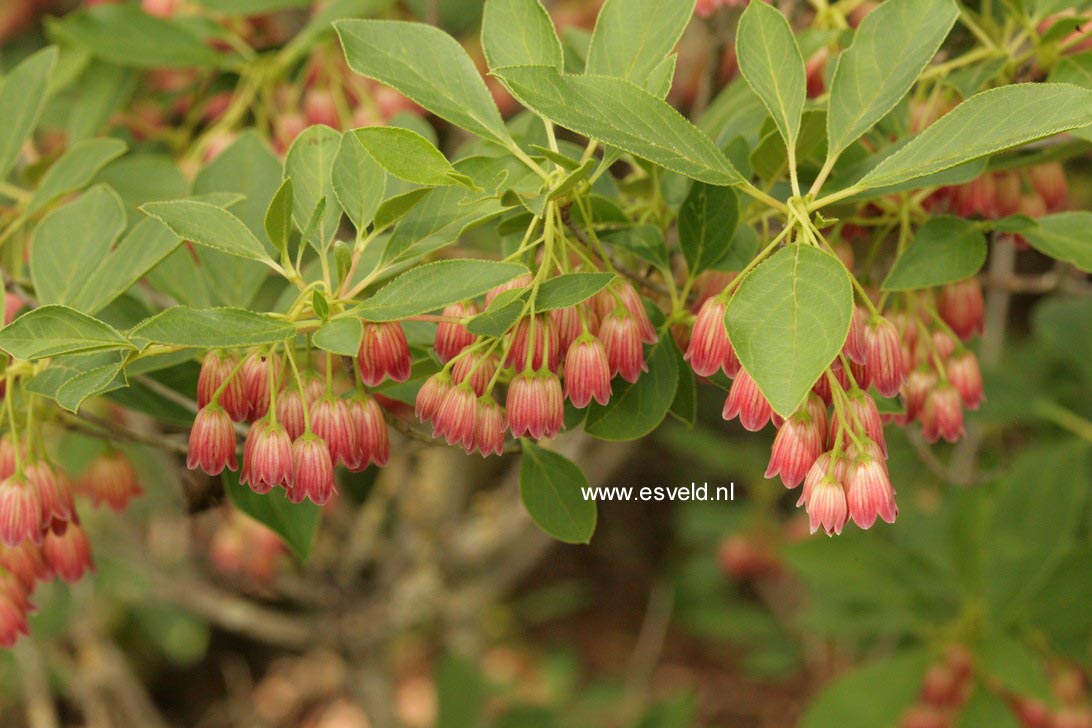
x: 965, y: 375
x: 455, y: 420
x: 476, y: 369
x: 567, y: 323
x: 452, y: 338
x: 1049, y: 181
x: 212, y: 441
x: 520, y: 281
x: 290, y: 404
x: 489, y: 428
x: 330, y: 421
x: 636, y: 307
x: 535, y: 405
x: 372, y: 438
x: 883, y: 355
x: 20, y: 511
x: 855, y: 348
x: 587, y: 372
x: 709, y: 348
x: 540, y: 335
x: 383, y: 353
x: 942, y: 414
x: 110, y: 480
x: 312, y: 471
x: 746, y: 402
x: 68, y: 555
x: 827, y: 507
x: 431, y: 395
x: 620, y: 333
x: 797, y: 445
x: 868, y: 492
x: 216, y: 369
x: 58, y: 508
x: 267, y: 457
x: 255, y: 375
x: 962, y: 307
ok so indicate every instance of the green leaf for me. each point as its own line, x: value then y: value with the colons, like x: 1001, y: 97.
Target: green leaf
x: 502, y: 312
x: 54, y: 330
x: 359, y: 182
x: 520, y: 33
x: 340, y: 336
x: 1046, y: 516
x: 71, y: 241
x: 407, y: 155
x: 102, y: 90
x: 770, y: 61
x: 397, y: 207
x: 1064, y: 236
x: 644, y: 241
x: 788, y: 320
x: 75, y: 170
x: 989, y: 122
x: 295, y: 523
x: 986, y: 708
x: 309, y: 164
x: 869, y: 696
x: 127, y: 36
x: 427, y: 65
x: 622, y: 115
x: 278, y: 217
x: 145, y: 245
x: 442, y: 215
x: 636, y: 409
x: 1060, y: 608
x: 435, y: 285
x: 140, y: 178
x: 551, y: 488
x: 685, y: 405
x: 633, y: 37
x: 1015, y: 666
x: 212, y: 328
x: 461, y: 692
x: 890, y: 49
x: 570, y: 289
x: 707, y: 224
x: 210, y: 226
x: 944, y: 250
x: 22, y: 97
x: 252, y: 7
x: 972, y: 79
x: 71, y: 380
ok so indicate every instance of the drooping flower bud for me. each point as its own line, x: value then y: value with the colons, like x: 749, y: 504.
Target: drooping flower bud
x: 826, y: 506
x: 384, y: 352
x: 520, y: 281
x: 868, y: 492
x: 20, y: 511
x: 567, y: 323
x: 863, y: 409
x: 854, y: 348
x: 68, y: 555
x: 476, y: 369
x: 290, y: 406
x: 452, y: 338
x: 883, y: 355
x: 977, y: 197
x: 535, y: 405
x: 24, y: 563
x: 621, y: 337
x: 110, y: 480
x: 1008, y: 193
x: 58, y: 508
x: 962, y: 307
x: 540, y: 335
x: 587, y: 372
x: 636, y: 307
x: 1049, y: 181
x: 330, y: 421
x: 489, y: 428
x: 312, y: 471
x: 7, y: 455
x: 255, y: 374
x: 942, y: 415
x: 747, y: 402
x: 212, y: 441
x: 709, y: 348
x: 216, y: 369
x: 267, y: 457
x: 797, y: 445
x: 431, y: 395
x: 965, y: 375
x: 13, y: 621
x: 455, y: 420
x: 914, y: 392
x: 834, y: 464
x: 372, y: 438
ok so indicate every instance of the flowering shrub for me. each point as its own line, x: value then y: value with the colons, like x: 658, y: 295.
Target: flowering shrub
x: 276, y: 205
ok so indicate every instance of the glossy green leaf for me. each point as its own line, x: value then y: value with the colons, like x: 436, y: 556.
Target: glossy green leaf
x: 944, y: 250
x: 434, y: 286
x: 1064, y: 236
x: 890, y: 49
x: 309, y: 164
x: 22, y: 97
x: 71, y: 241
x: 622, y: 115
x: 142, y: 248
x: 127, y: 36
x: 75, y: 170
x: 569, y: 289
x: 984, y: 124
x: 869, y: 696
x: 1015, y: 665
x: 770, y: 61
x: 707, y: 224
x: 295, y: 523
x: 212, y: 328
x: 427, y: 65
x: 55, y: 330
x: 340, y: 336
x: 441, y: 216
x: 520, y: 33
x: 633, y: 37
x: 551, y: 488
x: 407, y: 155
x: 788, y: 320
x: 501, y: 314
x: 72, y: 379
x: 359, y: 182
x: 278, y: 216
x: 208, y: 225
x: 634, y: 410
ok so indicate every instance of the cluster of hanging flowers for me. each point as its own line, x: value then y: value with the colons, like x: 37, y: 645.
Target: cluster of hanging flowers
x: 41, y: 537
x: 567, y: 353
x: 300, y: 428
x: 833, y: 444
